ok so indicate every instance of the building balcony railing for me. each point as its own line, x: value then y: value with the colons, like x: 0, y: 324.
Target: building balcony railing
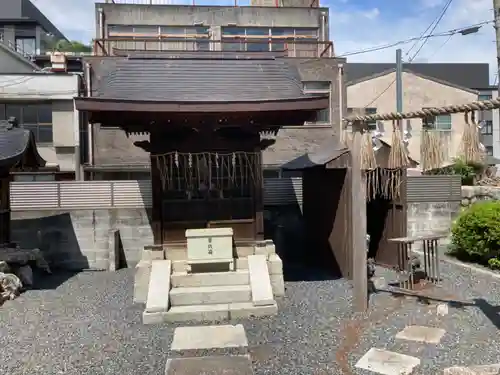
x: 295, y: 48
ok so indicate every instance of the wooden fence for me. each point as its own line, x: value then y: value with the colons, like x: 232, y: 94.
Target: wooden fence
x: 67, y: 195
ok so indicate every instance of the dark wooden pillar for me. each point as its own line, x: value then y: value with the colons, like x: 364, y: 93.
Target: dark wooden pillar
x: 157, y: 207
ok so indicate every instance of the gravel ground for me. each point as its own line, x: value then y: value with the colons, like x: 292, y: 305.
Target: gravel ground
x: 88, y: 325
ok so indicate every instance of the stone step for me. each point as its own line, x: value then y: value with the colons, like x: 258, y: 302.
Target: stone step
x: 186, y: 280
x: 183, y: 296
x: 218, y: 312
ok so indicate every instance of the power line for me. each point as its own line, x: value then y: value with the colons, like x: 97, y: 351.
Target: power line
x: 443, y: 12
x: 406, y: 41
x: 435, y: 22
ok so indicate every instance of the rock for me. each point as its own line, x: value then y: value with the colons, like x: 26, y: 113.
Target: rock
x: 4, y: 267
x: 25, y: 274
x: 10, y: 285
x: 442, y: 309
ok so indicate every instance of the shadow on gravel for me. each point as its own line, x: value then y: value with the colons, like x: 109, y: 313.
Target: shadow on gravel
x: 43, y: 281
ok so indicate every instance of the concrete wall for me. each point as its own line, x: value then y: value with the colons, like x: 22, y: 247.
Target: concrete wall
x: 60, y: 89
x: 182, y: 15
x: 418, y: 92
x: 80, y: 239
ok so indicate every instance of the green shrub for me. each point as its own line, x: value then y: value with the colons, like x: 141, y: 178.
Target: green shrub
x: 476, y: 232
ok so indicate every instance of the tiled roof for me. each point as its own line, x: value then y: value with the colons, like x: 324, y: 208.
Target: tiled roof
x: 14, y: 143
x: 189, y: 79
x: 466, y: 75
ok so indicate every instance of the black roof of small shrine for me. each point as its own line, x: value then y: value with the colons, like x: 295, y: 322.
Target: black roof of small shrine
x: 15, y: 142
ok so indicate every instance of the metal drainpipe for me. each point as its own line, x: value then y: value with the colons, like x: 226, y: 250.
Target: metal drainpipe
x: 76, y: 123
x: 89, y: 125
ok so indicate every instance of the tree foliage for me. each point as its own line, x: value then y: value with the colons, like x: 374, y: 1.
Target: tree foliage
x: 71, y: 46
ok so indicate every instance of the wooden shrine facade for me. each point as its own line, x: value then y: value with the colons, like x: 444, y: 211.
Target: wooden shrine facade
x: 206, y: 134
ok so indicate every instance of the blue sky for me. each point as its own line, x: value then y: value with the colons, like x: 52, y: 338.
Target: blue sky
x: 354, y: 25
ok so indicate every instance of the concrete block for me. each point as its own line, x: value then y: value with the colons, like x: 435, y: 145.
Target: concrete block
x: 387, y: 363
x: 244, y: 251
x: 180, y: 266
x: 184, y: 279
x: 198, y: 313
x: 152, y: 254
x: 141, y: 281
x: 245, y: 310
x: 152, y: 318
x: 210, y: 295
x: 241, y: 263
x: 275, y: 265
x: 209, y: 337
x: 176, y: 253
x: 428, y: 335
x: 159, y: 286
x: 260, y: 282
x: 278, y: 285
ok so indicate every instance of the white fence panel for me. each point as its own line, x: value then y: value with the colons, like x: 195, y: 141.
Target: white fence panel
x: 132, y: 193
x: 33, y: 195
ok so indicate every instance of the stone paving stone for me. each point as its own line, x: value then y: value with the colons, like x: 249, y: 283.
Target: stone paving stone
x: 387, y: 363
x: 209, y: 337
x: 428, y: 335
x: 228, y: 365
x: 474, y: 370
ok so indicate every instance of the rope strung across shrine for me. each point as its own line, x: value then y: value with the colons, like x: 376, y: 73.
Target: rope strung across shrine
x: 430, y: 112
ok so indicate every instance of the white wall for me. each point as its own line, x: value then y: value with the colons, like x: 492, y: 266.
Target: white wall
x: 418, y: 92
x: 60, y: 89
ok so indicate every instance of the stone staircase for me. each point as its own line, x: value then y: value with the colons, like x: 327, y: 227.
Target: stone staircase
x: 175, y: 295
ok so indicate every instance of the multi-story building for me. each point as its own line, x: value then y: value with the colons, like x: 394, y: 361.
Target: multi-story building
x: 25, y: 31
x: 41, y: 98
x: 490, y: 130
x: 372, y: 86
x: 293, y: 30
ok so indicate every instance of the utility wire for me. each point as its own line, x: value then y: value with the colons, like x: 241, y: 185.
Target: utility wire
x: 443, y: 12
x: 425, y: 37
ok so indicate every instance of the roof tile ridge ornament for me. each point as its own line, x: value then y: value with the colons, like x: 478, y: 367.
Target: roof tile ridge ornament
x: 9, y: 124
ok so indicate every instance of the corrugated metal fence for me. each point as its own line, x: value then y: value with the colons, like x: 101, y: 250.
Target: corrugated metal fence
x: 122, y: 194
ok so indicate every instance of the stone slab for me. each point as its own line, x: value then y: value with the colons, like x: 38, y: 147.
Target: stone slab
x: 184, y: 279
x: 428, y: 335
x: 141, y: 281
x: 387, y: 363
x: 278, y: 285
x: 227, y: 365
x: 209, y: 337
x: 210, y: 295
x: 159, y: 286
x: 275, y: 264
x: 474, y: 370
x: 260, y: 282
x: 198, y: 313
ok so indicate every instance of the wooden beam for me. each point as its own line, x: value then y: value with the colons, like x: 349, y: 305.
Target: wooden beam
x: 358, y: 226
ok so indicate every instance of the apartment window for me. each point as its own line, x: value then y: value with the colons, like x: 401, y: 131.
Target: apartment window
x: 26, y: 46
x: 34, y: 177
x: 319, y: 88
x: 487, y: 128
x: 485, y: 97
x: 36, y: 117
x: 261, y: 39
x: 372, y: 125
x: 175, y: 37
x: 489, y: 150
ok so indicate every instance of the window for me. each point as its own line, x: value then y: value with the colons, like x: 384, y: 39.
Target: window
x: 372, y: 125
x: 122, y: 175
x: 26, y: 46
x: 487, y: 128
x: 260, y: 39
x: 21, y: 177
x: 441, y: 122
x: 36, y: 117
x: 489, y: 150
x: 485, y: 97
x: 319, y: 88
